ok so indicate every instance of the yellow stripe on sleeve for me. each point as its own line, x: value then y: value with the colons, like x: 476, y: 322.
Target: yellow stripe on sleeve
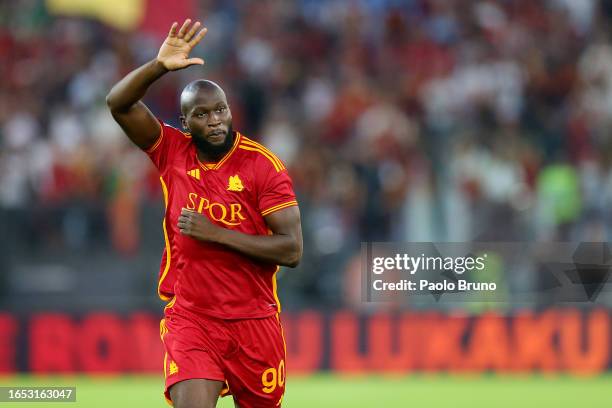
x: 158, y: 141
x: 278, y: 207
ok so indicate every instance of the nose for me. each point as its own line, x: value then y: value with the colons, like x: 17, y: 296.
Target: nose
x: 213, y: 120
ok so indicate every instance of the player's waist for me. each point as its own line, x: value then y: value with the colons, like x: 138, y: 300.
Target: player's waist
x: 207, y: 263
x: 183, y: 305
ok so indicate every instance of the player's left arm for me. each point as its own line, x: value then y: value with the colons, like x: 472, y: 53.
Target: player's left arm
x: 283, y: 247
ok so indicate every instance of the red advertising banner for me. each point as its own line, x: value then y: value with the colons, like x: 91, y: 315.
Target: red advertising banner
x: 560, y: 340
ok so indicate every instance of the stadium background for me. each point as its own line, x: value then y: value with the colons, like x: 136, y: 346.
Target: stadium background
x: 413, y: 120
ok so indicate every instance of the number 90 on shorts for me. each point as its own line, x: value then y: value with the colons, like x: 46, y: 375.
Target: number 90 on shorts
x: 273, y: 377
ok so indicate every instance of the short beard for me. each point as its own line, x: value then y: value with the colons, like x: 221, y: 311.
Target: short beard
x: 211, y: 150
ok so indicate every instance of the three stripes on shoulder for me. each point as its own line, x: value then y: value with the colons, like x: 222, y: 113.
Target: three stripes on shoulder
x: 248, y: 144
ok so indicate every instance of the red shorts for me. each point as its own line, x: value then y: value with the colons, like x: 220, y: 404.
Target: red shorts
x: 248, y: 355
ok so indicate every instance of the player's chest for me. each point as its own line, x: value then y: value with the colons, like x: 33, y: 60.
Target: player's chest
x: 225, y: 194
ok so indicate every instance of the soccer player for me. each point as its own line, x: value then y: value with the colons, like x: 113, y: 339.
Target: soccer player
x: 231, y: 219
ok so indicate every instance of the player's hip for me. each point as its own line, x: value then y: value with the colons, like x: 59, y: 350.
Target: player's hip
x: 265, y: 326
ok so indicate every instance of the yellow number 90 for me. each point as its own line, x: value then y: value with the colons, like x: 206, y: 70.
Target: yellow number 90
x: 272, y: 377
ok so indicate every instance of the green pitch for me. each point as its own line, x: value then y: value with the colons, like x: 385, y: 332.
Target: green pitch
x: 355, y: 392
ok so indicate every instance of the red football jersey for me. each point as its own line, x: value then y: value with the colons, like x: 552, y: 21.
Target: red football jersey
x: 248, y: 183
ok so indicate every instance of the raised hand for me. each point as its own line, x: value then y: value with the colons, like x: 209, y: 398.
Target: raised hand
x: 174, y: 52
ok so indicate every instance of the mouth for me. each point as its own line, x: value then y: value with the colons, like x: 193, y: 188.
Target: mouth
x: 216, y: 136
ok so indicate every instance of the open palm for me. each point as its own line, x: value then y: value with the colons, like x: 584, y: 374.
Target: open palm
x: 174, y: 52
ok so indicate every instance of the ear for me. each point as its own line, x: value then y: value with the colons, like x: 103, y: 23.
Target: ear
x: 184, y: 122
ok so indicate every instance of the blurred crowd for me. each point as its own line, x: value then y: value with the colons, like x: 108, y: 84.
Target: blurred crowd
x: 400, y: 120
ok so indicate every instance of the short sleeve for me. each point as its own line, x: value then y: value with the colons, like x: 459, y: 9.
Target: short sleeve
x: 276, y: 191
x: 168, y: 141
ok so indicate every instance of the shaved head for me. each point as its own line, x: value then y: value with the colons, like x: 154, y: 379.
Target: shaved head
x: 194, y: 89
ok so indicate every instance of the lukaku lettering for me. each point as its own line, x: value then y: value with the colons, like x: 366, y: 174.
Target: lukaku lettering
x: 216, y: 211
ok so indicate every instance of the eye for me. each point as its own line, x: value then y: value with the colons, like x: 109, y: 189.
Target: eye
x: 221, y: 109
x: 201, y: 115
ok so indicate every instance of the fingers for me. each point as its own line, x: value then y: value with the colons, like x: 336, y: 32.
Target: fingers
x: 183, y: 29
x: 184, y: 224
x: 196, y: 225
x: 198, y: 37
x: 195, y: 61
x: 192, y: 31
x: 187, y: 211
x: 185, y: 221
x: 172, y: 32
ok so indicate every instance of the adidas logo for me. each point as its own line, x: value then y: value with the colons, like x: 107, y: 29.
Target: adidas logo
x: 195, y: 173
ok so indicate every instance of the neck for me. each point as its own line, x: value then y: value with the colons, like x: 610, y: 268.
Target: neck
x: 207, y: 157
x: 212, y: 154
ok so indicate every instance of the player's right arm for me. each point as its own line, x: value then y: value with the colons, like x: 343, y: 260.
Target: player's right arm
x: 124, y: 99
